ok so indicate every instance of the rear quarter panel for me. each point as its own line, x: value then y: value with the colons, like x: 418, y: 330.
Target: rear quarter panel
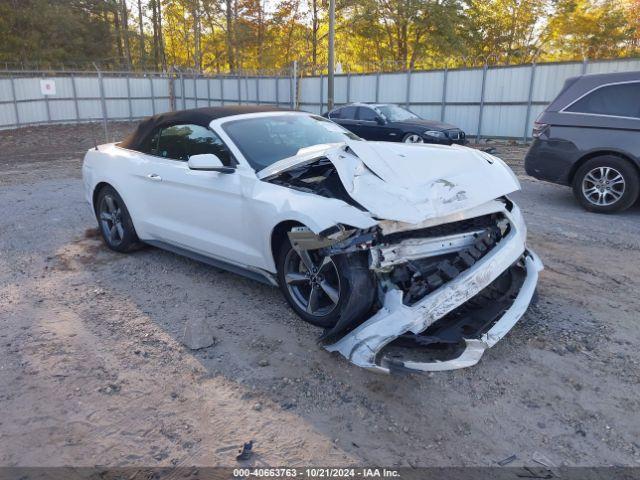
x: 120, y: 168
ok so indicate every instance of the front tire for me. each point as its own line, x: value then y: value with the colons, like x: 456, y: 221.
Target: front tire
x: 606, y: 184
x: 325, y: 290
x: 412, y: 138
x: 114, y: 221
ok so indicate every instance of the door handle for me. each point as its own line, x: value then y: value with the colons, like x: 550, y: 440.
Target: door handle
x: 155, y: 177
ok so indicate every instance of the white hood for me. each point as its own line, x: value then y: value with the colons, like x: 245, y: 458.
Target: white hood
x: 410, y: 183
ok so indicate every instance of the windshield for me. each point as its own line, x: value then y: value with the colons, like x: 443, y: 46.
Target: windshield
x: 266, y: 140
x: 394, y: 113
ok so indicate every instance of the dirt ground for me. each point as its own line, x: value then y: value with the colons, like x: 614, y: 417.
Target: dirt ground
x: 93, y: 371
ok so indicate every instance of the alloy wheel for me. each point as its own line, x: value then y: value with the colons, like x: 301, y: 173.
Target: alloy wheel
x: 413, y: 138
x: 312, y: 281
x: 603, y: 186
x: 111, y: 219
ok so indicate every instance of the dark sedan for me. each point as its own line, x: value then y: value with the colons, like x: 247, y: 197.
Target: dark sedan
x: 391, y: 123
x: 589, y: 138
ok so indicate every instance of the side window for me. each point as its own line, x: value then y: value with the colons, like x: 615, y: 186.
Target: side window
x: 179, y: 142
x: 367, y: 114
x: 621, y: 100
x: 348, y: 113
x: 335, y: 113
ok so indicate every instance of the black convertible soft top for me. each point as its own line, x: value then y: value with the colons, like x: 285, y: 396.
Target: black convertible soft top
x: 195, y: 116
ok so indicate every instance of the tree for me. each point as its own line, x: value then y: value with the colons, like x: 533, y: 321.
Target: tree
x: 583, y: 28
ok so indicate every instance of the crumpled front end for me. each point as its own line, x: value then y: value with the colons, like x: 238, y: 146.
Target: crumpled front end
x: 447, y: 255
x: 447, y: 292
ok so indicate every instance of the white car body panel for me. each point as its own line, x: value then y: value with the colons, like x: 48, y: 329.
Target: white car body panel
x: 231, y: 217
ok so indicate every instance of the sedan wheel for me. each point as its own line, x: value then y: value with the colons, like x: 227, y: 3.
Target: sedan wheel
x: 327, y: 291
x: 413, y: 138
x: 313, y: 282
x: 111, y: 220
x: 114, y: 221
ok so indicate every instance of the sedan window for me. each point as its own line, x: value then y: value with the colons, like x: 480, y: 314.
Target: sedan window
x: 266, y: 140
x: 179, y: 142
x: 348, y: 113
x: 621, y: 100
x: 394, y: 113
x: 366, y: 114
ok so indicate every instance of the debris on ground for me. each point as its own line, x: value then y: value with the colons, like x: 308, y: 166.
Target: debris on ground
x: 197, y: 334
x: 507, y: 461
x: 246, y: 452
x: 542, y: 460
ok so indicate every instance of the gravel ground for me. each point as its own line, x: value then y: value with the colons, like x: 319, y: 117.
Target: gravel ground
x: 93, y: 371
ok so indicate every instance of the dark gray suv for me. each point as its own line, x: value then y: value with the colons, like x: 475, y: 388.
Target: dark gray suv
x: 589, y: 138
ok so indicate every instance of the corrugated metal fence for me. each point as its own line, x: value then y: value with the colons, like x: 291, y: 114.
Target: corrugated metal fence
x: 486, y: 102
x: 498, y: 102
x: 83, y: 96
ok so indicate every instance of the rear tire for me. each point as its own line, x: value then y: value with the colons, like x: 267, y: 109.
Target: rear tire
x: 606, y: 184
x: 343, y: 285
x: 114, y: 221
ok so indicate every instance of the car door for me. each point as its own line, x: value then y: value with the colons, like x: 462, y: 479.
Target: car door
x: 201, y: 211
x: 346, y: 117
x: 368, y: 126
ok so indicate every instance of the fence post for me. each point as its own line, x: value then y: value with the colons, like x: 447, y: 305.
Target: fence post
x: 46, y: 103
x: 321, y: 92
x: 103, y: 103
x: 195, y: 91
x: 406, y: 103
x: 184, y: 104
x: 349, y: 87
x: 277, y: 90
x: 209, y: 91
x: 443, y: 103
x: 585, y: 63
x: 129, y: 97
x: 377, y: 87
x: 239, y: 89
x: 172, y: 91
x: 532, y: 77
x: 258, y: 89
x: 15, y: 101
x: 294, y: 96
x: 153, y: 96
x: 484, y: 78
x: 75, y: 98
x: 221, y: 78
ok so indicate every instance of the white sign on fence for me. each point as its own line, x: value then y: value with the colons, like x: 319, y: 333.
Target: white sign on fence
x: 48, y: 86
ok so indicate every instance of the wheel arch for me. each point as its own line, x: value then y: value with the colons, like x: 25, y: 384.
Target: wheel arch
x: 599, y: 153
x: 278, y: 235
x: 96, y: 191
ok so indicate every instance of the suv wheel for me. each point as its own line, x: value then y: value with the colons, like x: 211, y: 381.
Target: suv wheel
x: 606, y: 184
x: 114, y: 221
x: 322, y: 289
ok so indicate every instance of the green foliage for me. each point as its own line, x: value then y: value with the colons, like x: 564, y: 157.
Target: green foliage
x: 61, y: 31
x: 223, y: 35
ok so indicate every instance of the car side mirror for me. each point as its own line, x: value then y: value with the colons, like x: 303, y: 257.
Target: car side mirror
x: 380, y: 121
x: 208, y: 162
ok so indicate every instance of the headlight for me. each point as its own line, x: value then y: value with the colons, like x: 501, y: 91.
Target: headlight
x: 435, y: 134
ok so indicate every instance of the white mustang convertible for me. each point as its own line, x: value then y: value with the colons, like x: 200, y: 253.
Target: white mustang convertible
x: 410, y: 257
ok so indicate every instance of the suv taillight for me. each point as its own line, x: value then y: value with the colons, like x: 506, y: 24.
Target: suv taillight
x: 539, y: 129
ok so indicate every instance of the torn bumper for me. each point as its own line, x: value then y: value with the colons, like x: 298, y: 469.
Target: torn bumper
x: 365, y: 345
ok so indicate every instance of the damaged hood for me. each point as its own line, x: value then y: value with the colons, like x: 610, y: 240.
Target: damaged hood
x: 409, y: 183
